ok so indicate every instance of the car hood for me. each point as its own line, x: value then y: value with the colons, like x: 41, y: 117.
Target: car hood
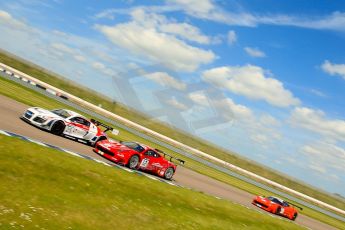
x: 263, y: 200
x: 43, y: 112
x: 114, y: 146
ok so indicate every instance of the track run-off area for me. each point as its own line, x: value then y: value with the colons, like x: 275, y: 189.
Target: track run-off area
x: 11, y: 110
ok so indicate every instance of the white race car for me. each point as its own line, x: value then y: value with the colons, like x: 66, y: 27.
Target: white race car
x: 67, y: 123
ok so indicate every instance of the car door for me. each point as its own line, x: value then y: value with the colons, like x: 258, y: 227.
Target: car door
x: 77, y: 127
x: 146, y: 160
x: 151, y: 161
x: 93, y: 130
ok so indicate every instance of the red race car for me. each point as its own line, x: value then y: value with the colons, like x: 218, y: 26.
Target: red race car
x: 276, y: 206
x: 138, y: 156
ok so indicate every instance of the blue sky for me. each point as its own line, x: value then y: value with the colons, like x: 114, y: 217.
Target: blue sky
x: 265, y: 79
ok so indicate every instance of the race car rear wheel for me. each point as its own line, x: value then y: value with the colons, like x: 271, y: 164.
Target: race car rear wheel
x: 133, y: 162
x: 169, y: 173
x: 58, y: 127
x: 294, y: 216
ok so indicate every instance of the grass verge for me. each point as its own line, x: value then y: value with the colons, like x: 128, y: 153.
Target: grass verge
x: 46, y: 189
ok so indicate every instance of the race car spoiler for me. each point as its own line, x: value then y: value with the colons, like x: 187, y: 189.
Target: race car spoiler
x: 98, y: 123
x: 171, y: 157
x: 295, y: 205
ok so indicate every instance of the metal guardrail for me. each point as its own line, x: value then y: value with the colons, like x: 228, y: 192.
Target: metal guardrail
x: 168, y: 146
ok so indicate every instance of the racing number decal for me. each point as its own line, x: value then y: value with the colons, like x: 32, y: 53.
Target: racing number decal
x: 144, y: 162
x: 69, y: 129
x: 75, y: 130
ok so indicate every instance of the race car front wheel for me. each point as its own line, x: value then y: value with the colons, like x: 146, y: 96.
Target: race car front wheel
x: 294, y: 216
x: 169, y: 173
x: 133, y: 162
x: 58, y: 128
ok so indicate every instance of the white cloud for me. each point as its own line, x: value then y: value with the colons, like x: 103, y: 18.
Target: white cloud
x: 7, y: 20
x: 259, y: 138
x: 195, y: 7
x: 316, y: 121
x: 176, y: 104
x: 162, y: 24
x: 79, y: 58
x: 148, y: 17
x: 250, y: 81
x: 318, y: 93
x: 231, y: 110
x: 108, y: 14
x: 334, y: 69
x: 254, y: 52
x: 5, y: 16
x: 36, y: 45
x: 224, y: 107
x: 165, y: 79
x: 232, y: 37
x: 208, y: 9
x: 198, y: 98
x: 317, y: 167
x: 16, y: 26
x: 101, y: 67
x: 334, y: 21
x: 262, y: 129
x: 185, y: 31
x: 334, y: 177
x: 143, y: 37
x: 324, y: 156
x: 63, y: 48
x: 268, y: 120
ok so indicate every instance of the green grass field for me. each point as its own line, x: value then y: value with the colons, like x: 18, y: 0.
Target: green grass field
x: 46, y: 189
x: 187, y: 139
x: 32, y: 98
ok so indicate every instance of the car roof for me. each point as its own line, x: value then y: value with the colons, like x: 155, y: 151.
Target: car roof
x: 281, y: 200
x: 145, y: 146
x: 73, y: 114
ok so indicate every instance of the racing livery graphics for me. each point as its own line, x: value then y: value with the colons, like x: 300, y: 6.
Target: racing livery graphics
x: 66, y: 123
x: 138, y: 156
x: 276, y: 206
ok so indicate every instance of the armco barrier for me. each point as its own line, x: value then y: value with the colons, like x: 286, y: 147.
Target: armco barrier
x: 11, y: 71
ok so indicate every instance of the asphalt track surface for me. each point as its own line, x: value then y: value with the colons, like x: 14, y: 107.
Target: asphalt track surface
x: 11, y: 110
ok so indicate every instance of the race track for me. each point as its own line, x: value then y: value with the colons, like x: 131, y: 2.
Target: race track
x: 10, y: 111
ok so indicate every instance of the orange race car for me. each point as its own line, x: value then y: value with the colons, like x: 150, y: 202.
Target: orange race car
x: 276, y: 206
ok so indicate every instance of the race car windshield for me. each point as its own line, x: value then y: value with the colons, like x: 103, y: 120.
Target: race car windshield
x: 62, y: 113
x: 277, y: 201
x: 134, y: 146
